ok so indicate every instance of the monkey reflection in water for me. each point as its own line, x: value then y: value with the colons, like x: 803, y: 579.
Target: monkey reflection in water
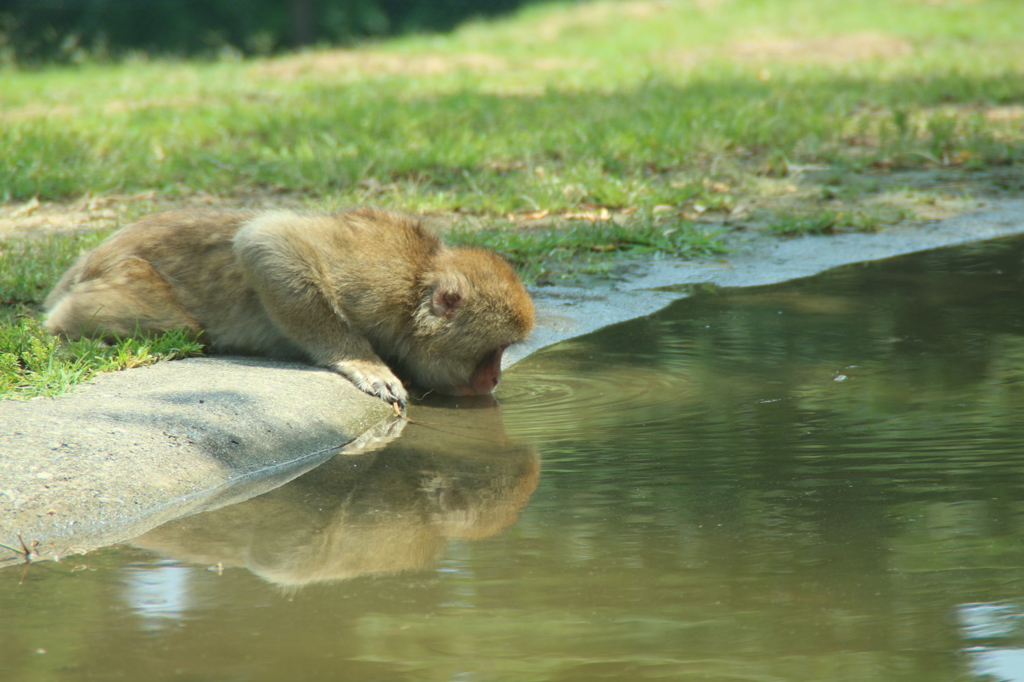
x: 457, y: 478
x: 369, y: 294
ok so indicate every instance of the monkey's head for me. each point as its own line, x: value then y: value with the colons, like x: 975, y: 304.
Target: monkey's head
x: 472, y: 307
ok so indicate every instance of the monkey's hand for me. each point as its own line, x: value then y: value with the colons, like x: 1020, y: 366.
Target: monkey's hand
x: 375, y: 379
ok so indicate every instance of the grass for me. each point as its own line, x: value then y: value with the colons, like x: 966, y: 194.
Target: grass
x: 33, y: 363
x: 541, y: 255
x: 29, y: 267
x: 631, y: 126
x: 832, y: 221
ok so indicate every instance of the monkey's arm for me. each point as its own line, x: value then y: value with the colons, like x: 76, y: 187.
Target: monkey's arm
x: 291, y: 278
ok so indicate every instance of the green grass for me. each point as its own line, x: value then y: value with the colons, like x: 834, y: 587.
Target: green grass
x: 616, y: 107
x: 541, y: 255
x: 678, y: 120
x: 29, y: 267
x: 832, y: 221
x: 33, y: 363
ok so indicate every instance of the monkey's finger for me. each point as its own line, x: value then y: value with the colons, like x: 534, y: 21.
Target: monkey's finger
x: 394, y: 394
x: 397, y: 402
x: 397, y: 399
x: 386, y: 387
x: 390, y: 392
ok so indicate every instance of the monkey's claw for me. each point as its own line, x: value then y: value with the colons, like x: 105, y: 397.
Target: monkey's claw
x: 394, y: 395
x: 378, y: 382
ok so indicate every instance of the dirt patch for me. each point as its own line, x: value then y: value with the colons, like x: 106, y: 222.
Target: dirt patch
x: 113, y: 107
x: 832, y: 50
x: 87, y: 214
x: 588, y: 16
x: 1008, y: 116
x: 942, y: 3
x: 373, y: 63
x: 109, y: 211
x: 1012, y: 113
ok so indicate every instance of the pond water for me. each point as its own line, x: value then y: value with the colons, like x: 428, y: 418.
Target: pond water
x: 818, y: 480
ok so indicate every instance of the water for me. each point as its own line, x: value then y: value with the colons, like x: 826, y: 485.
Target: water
x: 819, y: 480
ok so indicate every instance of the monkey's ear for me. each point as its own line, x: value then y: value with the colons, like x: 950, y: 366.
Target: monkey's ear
x: 449, y: 295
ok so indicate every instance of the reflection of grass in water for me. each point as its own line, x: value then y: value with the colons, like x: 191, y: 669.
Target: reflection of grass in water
x: 789, y: 497
x: 576, y: 643
x: 790, y: 343
x: 494, y: 640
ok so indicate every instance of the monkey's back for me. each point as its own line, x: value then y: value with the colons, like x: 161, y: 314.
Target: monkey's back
x: 364, y: 255
x: 190, y: 253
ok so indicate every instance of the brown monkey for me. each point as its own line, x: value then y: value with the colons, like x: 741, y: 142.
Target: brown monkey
x: 355, y: 291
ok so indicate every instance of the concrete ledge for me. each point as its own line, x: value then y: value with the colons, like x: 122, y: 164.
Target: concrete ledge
x: 131, y: 450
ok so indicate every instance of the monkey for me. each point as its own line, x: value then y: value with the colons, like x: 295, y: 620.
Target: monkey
x: 367, y: 293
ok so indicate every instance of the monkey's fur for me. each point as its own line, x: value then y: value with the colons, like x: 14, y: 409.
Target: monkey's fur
x: 355, y: 291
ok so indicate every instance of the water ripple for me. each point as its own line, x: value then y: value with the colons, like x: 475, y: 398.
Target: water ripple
x: 549, y: 399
